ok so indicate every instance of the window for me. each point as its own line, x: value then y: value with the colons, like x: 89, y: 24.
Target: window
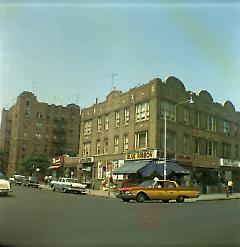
x: 169, y: 108
x: 25, y: 135
x: 141, y: 140
x: 142, y: 111
x: 226, y: 127
x: 211, y: 123
x: 185, y: 143
x: 186, y: 116
x: 39, y: 115
x: 37, y: 136
x: 99, y: 124
x: 125, y: 142
x: 105, y: 146
x: 170, y: 141
x: 211, y: 148
x: 117, y: 119
x: 38, y: 125
x: 126, y: 116
x: 106, y: 123
x: 98, y: 148
x: 116, y: 144
x: 236, y: 152
x: 86, y: 149
x: 197, y: 119
x: 197, y: 146
x: 87, y: 127
x: 226, y: 148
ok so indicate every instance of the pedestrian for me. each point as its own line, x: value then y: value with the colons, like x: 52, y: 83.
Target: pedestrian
x: 230, y: 187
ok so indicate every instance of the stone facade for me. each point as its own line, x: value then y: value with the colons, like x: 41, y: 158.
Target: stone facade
x: 32, y: 127
x: 198, y: 134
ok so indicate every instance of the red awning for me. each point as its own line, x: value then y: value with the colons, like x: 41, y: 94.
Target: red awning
x: 54, y: 167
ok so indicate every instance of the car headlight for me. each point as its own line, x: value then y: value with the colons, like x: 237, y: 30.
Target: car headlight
x: 128, y: 192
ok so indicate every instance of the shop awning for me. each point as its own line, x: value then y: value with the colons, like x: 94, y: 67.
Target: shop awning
x: 158, y: 168
x: 147, y: 168
x: 54, y: 167
x: 131, y: 167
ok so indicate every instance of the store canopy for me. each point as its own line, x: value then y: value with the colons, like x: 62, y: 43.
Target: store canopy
x: 155, y: 167
x: 54, y: 167
x: 131, y: 167
x: 147, y: 168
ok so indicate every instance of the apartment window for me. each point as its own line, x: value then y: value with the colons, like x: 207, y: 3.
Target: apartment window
x: 87, y: 127
x: 126, y: 116
x: 226, y: 127
x: 197, y: 119
x: 39, y: 115
x: 116, y: 144
x: 142, y: 111
x: 117, y: 119
x: 38, y: 125
x: 99, y: 124
x: 106, y: 122
x: 197, y: 146
x: 170, y: 141
x: 185, y: 143
x: 86, y: 149
x: 211, y: 123
x: 226, y: 149
x: 37, y: 136
x: 25, y: 135
x: 141, y: 140
x: 105, y: 146
x: 211, y: 148
x: 186, y: 116
x: 168, y: 108
x: 98, y: 148
x: 236, y: 152
x: 125, y: 142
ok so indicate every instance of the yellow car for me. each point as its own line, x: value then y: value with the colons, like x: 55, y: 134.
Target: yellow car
x: 156, y: 189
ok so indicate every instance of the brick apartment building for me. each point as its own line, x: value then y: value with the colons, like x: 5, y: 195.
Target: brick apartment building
x: 203, y: 136
x: 32, y: 127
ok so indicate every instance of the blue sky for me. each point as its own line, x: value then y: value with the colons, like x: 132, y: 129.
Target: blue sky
x: 66, y: 51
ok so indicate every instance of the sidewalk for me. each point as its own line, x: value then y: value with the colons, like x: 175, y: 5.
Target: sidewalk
x: 202, y: 197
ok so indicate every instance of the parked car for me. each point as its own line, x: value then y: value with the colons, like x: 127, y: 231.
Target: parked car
x: 32, y: 181
x: 68, y: 185
x: 17, y: 179
x: 156, y: 189
x: 5, y: 186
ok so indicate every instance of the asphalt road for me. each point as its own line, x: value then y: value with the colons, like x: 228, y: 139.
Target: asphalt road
x: 35, y: 217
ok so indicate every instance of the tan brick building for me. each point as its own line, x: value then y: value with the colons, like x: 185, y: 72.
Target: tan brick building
x: 204, y: 136
x: 32, y: 127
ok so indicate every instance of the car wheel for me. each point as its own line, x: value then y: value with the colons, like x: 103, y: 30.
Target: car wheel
x: 126, y: 200
x: 140, y: 197
x: 64, y: 190
x: 53, y: 188
x: 180, y: 199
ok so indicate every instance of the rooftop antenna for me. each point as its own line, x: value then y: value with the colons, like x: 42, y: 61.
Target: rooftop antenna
x: 113, y: 75
x: 77, y: 98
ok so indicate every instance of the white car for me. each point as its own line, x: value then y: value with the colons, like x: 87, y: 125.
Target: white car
x: 4, y: 185
x: 68, y: 185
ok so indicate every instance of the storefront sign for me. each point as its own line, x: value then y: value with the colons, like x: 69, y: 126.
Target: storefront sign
x: 142, y: 155
x: 100, y: 170
x: 229, y: 163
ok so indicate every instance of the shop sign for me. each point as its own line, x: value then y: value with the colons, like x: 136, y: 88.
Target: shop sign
x: 100, y: 170
x: 151, y: 154
x: 230, y: 163
x: 86, y: 160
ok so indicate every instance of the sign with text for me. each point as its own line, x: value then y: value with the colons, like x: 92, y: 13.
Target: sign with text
x: 151, y: 154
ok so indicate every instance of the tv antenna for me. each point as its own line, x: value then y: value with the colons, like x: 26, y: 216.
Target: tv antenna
x: 113, y: 75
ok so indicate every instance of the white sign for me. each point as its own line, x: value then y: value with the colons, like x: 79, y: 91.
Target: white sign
x: 149, y: 154
x: 230, y: 163
x: 100, y: 170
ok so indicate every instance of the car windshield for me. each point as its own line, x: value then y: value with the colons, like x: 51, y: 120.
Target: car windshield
x: 146, y: 183
x: 1, y: 176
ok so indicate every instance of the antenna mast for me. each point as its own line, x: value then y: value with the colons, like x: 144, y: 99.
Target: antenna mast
x: 113, y: 75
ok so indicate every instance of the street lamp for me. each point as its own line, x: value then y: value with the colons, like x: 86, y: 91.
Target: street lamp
x: 165, y: 135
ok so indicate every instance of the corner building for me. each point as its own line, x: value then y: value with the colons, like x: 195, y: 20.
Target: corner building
x: 203, y: 137
x: 32, y: 127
